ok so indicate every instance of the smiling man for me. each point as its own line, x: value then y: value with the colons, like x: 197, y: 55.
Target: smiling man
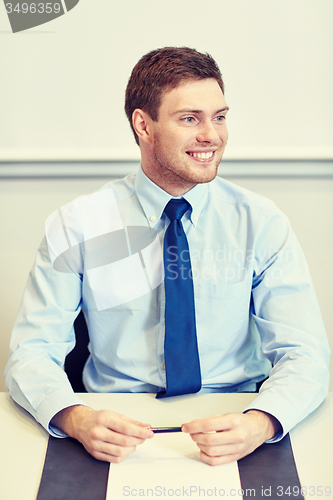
x: 234, y: 310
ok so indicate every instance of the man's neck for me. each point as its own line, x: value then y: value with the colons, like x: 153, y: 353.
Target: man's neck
x: 171, y: 184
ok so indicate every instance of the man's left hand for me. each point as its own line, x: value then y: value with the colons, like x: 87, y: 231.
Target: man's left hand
x: 226, y: 438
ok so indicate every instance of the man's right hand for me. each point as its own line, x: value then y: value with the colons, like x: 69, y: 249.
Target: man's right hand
x: 106, y: 435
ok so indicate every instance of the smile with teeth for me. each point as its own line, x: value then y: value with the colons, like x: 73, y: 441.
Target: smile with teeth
x: 202, y: 155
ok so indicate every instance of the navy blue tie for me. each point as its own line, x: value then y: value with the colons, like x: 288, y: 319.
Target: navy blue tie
x: 182, y: 363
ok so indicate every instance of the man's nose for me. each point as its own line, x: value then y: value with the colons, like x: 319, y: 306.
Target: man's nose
x: 207, y: 132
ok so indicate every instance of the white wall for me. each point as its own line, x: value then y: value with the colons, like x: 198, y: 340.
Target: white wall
x: 62, y: 84
x: 24, y: 205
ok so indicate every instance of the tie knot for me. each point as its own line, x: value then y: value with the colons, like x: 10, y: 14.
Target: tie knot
x: 175, y: 209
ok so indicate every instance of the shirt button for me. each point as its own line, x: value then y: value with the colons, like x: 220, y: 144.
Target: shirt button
x: 153, y: 218
x: 195, y: 218
x: 164, y: 366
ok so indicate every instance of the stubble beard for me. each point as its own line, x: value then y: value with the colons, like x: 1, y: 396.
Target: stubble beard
x: 181, y: 173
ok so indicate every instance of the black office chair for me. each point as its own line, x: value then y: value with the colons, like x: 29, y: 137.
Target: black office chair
x: 75, y: 360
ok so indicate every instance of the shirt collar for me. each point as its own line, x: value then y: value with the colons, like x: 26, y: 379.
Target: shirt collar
x: 153, y: 199
x: 197, y: 197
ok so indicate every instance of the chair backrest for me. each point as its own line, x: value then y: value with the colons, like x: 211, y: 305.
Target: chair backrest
x: 76, y: 359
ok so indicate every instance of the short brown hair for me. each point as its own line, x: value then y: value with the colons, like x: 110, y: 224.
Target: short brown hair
x: 162, y: 70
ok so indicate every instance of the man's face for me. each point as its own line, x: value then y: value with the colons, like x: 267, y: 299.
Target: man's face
x: 188, y: 140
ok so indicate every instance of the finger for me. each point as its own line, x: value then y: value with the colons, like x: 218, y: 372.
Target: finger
x: 104, y: 457
x: 136, y: 422
x: 104, y: 434
x: 112, y: 449
x: 131, y: 429
x: 225, y: 459
x: 202, y: 425
x: 123, y: 439
x: 112, y: 454
x: 124, y: 425
x: 215, y: 438
x: 218, y: 451
x: 215, y: 423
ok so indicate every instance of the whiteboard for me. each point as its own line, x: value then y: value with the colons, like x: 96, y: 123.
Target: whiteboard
x: 62, y: 84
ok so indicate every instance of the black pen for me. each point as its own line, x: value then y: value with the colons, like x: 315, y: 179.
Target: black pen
x: 157, y: 430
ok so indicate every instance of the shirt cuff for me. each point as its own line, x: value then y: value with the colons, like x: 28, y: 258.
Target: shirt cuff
x: 278, y: 408
x: 52, y: 404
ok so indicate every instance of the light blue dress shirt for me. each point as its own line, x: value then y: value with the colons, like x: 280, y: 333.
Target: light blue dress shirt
x: 256, y: 310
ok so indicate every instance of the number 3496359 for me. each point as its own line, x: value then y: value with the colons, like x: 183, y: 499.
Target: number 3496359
x: 33, y: 8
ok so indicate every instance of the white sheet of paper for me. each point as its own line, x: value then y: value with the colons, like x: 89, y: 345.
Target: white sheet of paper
x: 169, y: 465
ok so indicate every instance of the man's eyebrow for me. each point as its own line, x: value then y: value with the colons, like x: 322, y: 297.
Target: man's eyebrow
x: 223, y: 110
x: 197, y: 111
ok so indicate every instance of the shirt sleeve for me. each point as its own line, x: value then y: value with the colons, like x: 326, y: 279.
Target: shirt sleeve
x: 42, y: 337
x: 285, y: 311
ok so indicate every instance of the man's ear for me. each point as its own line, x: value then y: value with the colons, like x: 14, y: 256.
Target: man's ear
x: 141, y: 123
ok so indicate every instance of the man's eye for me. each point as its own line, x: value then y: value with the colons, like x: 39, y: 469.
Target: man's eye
x: 188, y: 119
x: 220, y: 118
